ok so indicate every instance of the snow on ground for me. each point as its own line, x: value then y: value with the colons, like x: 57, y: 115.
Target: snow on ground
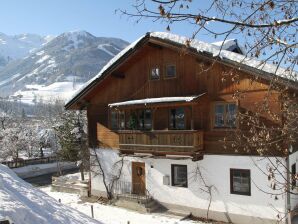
x: 23, y: 203
x: 42, y: 59
x: 10, y: 79
x: 103, y: 48
x: 23, y: 154
x: 39, y: 53
x: 41, y: 169
x: 57, y: 90
x: 114, y: 215
x: 74, y: 176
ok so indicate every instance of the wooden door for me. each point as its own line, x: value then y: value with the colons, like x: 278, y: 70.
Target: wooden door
x: 138, y: 178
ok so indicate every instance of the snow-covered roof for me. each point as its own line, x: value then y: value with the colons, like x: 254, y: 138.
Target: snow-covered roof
x: 201, y: 47
x: 156, y: 100
x: 215, y: 51
x: 230, y: 45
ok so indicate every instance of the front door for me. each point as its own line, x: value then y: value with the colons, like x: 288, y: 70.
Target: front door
x: 138, y: 178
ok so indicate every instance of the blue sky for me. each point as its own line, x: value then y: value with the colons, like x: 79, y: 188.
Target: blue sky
x: 95, y: 16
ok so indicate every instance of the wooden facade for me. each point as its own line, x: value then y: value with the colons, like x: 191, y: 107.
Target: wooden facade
x: 194, y: 75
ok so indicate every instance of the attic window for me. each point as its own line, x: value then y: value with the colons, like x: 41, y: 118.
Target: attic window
x: 170, y: 71
x: 225, y: 115
x: 155, y: 73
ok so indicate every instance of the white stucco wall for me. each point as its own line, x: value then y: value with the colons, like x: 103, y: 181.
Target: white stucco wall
x: 216, y: 171
x: 293, y: 159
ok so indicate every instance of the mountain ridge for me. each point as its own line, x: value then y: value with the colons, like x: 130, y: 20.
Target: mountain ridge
x: 74, y: 56
x: 13, y: 47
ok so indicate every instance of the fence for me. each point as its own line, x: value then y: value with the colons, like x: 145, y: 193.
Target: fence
x: 131, y: 190
x: 26, y: 162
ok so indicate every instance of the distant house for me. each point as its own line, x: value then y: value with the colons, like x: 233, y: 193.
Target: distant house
x: 162, y: 105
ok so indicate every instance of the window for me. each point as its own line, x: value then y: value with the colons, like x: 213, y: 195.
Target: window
x: 225, y: 115
x: 240, y: 181
x: 293, y: 171
x: 231, y: 115
x: 170, y: 71
x: 122, y: 120
x: 138, y: 120
x: 132, y: 121
x: 114, y: 119
x: 177, y: 118
x: 155, y: 73
x: 117, y: 119
x: 145, y: 121
x: 219, y: 115
x: 179, y: 175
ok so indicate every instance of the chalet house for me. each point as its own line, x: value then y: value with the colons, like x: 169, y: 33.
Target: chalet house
x: 162, y: 105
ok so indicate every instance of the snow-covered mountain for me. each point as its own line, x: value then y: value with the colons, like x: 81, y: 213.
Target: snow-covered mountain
x: 72, y: 57
x: 18, y: 46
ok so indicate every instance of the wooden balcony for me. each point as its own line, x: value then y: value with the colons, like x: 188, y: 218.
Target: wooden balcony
x: 170, y: 142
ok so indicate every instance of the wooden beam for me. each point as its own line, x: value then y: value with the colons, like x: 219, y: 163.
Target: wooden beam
x: 118, y: 75
x: 154, y: 45
x: 191, y: 119
x: 157, y: 146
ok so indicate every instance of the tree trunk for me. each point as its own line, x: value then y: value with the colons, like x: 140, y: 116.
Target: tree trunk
x: 41, y: 152
x: 82, y: 172
x: 2, y: 124
x: 59, y: 168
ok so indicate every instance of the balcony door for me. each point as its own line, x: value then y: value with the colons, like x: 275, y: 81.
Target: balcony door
x: 138, y: 178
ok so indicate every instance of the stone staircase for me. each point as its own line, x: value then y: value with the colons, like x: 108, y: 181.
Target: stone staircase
x: 137, y: 202
x: 70, y: 186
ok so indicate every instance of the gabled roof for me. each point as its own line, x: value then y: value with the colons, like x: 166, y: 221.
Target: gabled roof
x: 212, y: 51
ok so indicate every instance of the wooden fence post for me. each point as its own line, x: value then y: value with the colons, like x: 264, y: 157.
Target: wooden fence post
x: 92, y: 212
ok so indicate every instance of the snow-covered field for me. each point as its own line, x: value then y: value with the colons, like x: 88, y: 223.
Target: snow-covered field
x: 114, y: 215
x: 57, y: 90
x: 22, y: 204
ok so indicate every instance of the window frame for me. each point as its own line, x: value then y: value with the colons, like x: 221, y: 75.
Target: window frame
x: 172, y: 175
x: 225, y: 105
x: 150, y: 73
x: 232, y: 191
x: 121, y: 112
x: 293, y: 175
x: 166, y: 69
x: 169, y: 124
x: 143, y: 119
x: 133, y: 114
x: 116, y: 119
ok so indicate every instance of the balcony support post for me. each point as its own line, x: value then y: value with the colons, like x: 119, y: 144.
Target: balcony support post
x: 153, y: 118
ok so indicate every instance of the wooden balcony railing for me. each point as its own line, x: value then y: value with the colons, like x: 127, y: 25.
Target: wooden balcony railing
x: 168, y: 141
